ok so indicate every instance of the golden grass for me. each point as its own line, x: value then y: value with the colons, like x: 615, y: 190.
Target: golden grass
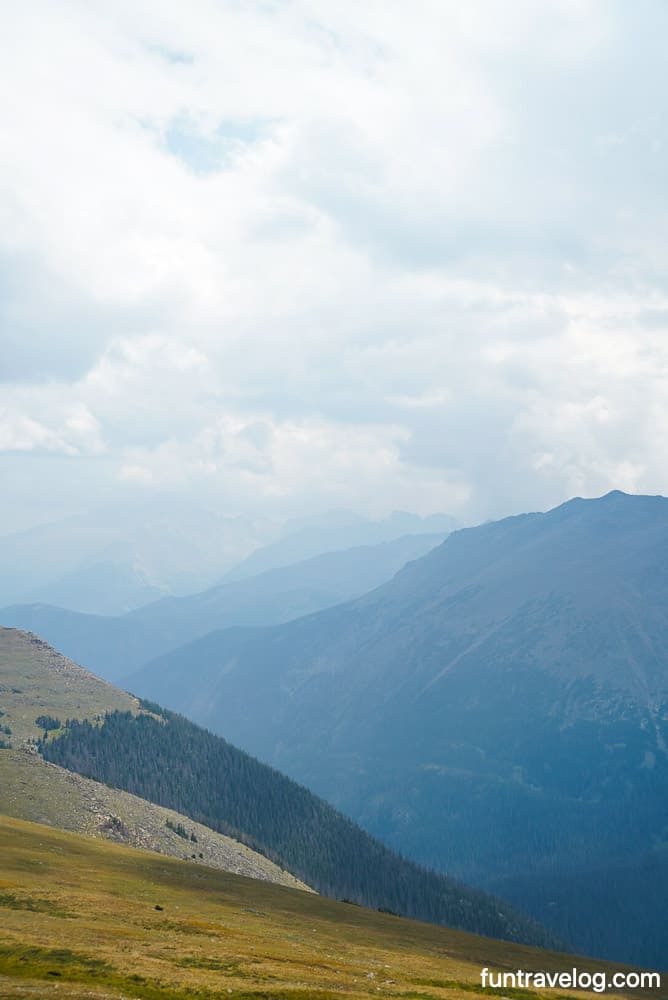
x: 85, y: 918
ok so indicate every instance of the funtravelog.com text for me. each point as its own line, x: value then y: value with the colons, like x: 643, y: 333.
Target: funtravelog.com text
x: 571, y: 979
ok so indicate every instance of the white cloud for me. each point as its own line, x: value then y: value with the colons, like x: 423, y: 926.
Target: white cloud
x: 77, y: 432
x: 318, y: 253
x: 135, y: 474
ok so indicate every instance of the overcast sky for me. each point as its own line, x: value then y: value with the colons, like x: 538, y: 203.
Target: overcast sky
x: 289, y: 256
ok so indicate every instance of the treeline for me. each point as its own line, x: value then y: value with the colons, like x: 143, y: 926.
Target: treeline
x: 176, y: 764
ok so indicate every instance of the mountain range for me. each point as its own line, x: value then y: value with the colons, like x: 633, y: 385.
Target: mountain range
x: 114, y: 646
x: 494, y: 706
x: 110, y: 560
x: 498, y: 710
x: 337, y: 530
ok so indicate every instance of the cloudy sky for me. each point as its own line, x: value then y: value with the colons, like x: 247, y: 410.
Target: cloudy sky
x: 290, y: 255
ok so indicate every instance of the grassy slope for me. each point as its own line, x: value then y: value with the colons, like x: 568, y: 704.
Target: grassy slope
x: 79, y: 919
x: 35, y: 680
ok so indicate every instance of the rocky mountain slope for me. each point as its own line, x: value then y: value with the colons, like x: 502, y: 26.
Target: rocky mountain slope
x: 36, y: 790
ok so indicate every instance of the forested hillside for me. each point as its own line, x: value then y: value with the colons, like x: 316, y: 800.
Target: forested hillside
x: 40, y: 691
x: 176, y: 764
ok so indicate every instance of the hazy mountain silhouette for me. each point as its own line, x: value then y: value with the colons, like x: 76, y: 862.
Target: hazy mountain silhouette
x: 308, y: 537
x: 166, y: 544
x: 279, y: 595
x: 115, y: 646
x: 102, y: 588
x: 112, y: 560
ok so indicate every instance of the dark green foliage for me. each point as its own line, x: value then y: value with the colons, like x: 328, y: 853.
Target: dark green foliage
x: 178, y: 828
x: 152, y: 706
x: 48, y: 723
x: 6, y: 730
x: 4, y: 744
x: 190, y: 770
